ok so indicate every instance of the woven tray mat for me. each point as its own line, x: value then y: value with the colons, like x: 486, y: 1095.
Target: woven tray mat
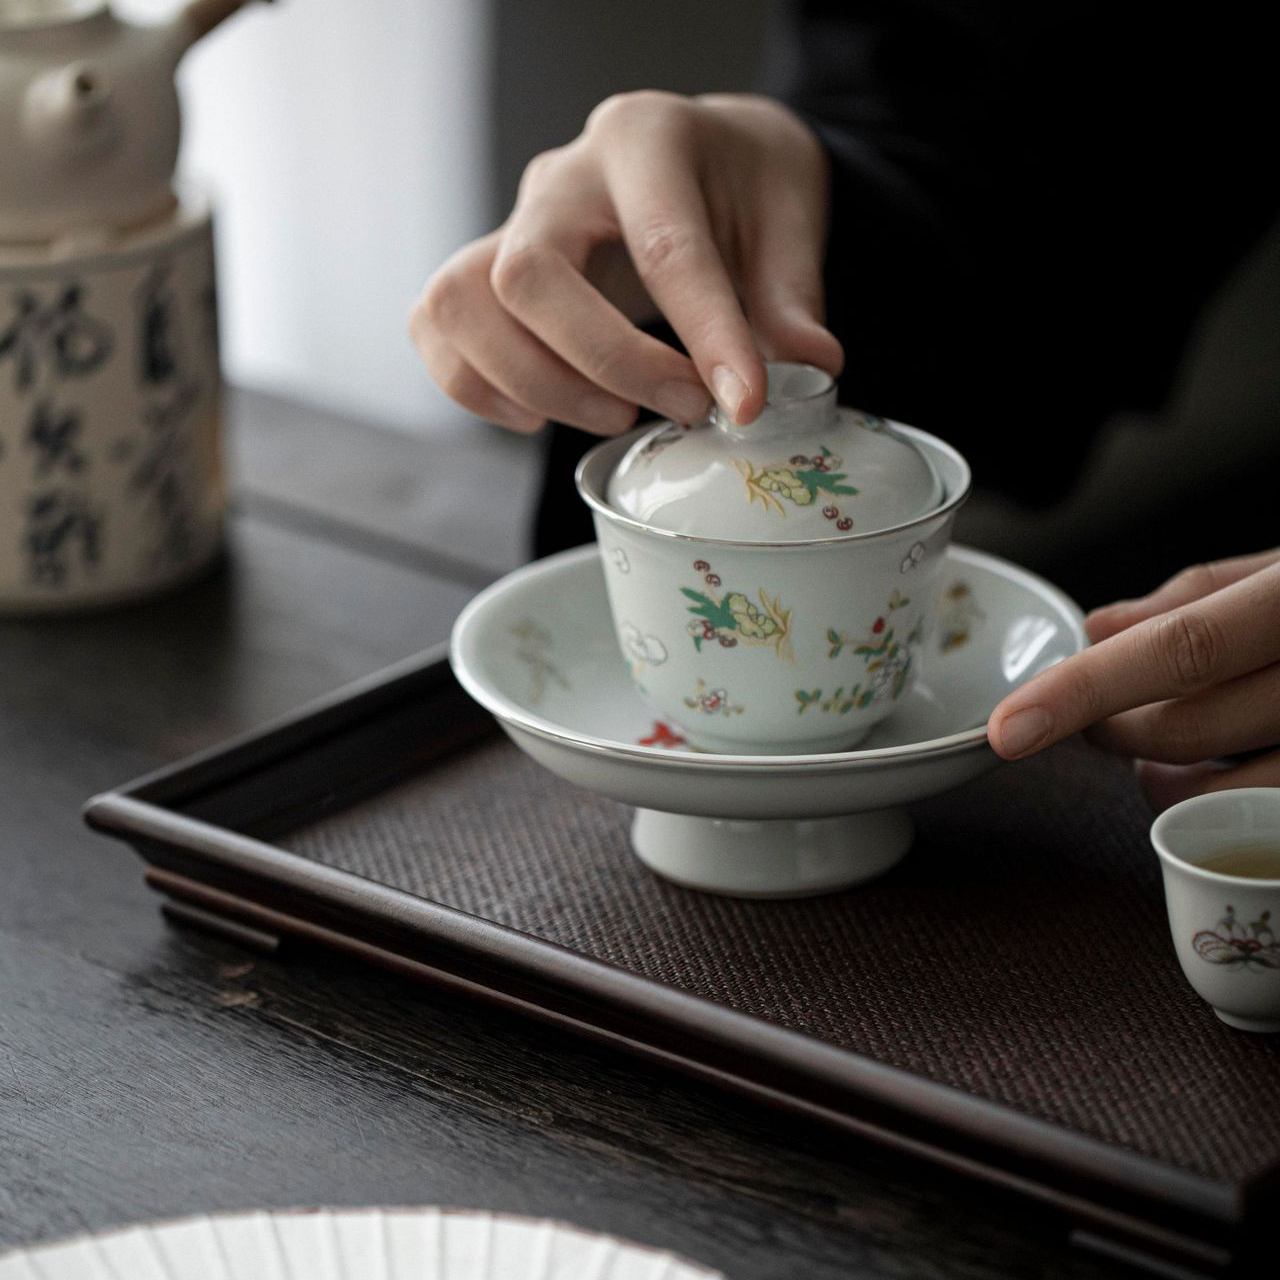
x: 1019, y: 953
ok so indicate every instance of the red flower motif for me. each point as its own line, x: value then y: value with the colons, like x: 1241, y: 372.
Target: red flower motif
x: 878, y: 628
x: 831, y: 512
x: 844, y: 524
x: 662, y: 736
x: 701, y: 565
x: 712, y: 579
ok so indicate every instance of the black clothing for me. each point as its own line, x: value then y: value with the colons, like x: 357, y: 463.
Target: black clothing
x: 1031, y: 204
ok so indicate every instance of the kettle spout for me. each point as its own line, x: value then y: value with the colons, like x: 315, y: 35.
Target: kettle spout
x: 199, y: 17
x: 69, y: 109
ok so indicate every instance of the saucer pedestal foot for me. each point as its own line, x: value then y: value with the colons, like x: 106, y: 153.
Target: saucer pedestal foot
x: 771, y: 858
x: 1263, y: 1026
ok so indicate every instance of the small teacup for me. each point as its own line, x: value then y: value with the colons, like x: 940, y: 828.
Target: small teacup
x: 1226, y: 927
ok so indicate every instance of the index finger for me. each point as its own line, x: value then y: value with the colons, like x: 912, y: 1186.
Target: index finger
x: 662, y: 213
x: 1191, y: 584
x: 1227, y: 634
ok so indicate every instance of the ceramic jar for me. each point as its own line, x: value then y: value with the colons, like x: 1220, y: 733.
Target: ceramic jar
x: 760, y: 643
x: 110, y: 469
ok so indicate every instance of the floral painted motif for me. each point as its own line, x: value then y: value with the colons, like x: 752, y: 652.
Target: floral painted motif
x: 731, y: 617
x: 663, y: 735
x: 841, y: 701
x: 643, y: 648
x: 1252, y: 946
x: 959, y: 617
x: 711, y: 702
x: 913, y: 558
x: 799, y: 481
x: 532, y: 649
x: 888, y: 657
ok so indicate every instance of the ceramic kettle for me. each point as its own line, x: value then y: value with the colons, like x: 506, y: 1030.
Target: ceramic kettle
x: 89, y: 119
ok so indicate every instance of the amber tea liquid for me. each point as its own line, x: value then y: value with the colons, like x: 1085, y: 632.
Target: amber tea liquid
x: 1250, y: 861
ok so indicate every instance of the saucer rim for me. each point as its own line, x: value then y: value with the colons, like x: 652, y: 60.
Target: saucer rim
x: 509, y: 713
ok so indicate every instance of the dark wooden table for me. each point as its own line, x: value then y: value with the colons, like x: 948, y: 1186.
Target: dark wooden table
x: 147, y: 1072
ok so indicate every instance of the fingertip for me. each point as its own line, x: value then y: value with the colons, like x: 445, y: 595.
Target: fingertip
x: 794, y: 333
x: 1020, y: 731
x: 1098, y: 628
x: 1108, y: 619
x: 528, y: 424
x: 514, y: 417
x: 742, y: 398
x: 813, y: 343
x: 616, y: 422
x: 831, y: 359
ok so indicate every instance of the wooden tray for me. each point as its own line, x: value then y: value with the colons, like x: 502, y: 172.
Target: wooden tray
x: 1004, y: 1004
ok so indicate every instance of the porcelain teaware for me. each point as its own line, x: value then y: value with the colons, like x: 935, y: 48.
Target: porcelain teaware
x: 1226, y: 928
x: 539, y: 650
x: 753, y: 579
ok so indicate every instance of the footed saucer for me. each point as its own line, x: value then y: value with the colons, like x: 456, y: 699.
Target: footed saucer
x: 537, y: 649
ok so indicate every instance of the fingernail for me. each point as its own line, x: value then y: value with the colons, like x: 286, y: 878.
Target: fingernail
x: 1023, y: 731
x: 730, y: 390
x: 682, y: 401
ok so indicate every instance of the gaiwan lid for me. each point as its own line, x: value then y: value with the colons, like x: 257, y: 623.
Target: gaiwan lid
x: 804, y: 470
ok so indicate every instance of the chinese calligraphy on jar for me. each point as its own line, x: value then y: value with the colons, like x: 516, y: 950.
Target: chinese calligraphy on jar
x: 110, y: 469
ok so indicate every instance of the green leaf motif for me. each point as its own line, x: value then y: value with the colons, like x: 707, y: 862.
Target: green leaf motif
x: 716, y: 614
x: 806, y: 700
x: 823, y: 481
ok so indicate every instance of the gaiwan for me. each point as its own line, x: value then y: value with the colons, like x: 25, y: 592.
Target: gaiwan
x: 772, y: 585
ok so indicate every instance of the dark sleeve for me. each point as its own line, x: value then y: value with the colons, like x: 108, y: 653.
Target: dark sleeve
x: 1030, y: 206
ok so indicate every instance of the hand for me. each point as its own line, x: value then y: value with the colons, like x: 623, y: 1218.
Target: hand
x: 663, y: 205
x: 1178, y: 680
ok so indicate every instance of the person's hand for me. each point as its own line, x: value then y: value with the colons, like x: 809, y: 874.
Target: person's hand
x: 1178, y: 680
x: 710, y: 211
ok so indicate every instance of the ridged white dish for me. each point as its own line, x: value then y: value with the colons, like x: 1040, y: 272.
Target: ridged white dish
x: 349, y: 1244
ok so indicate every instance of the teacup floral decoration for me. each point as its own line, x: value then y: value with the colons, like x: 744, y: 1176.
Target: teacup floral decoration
x: 732, y: 617
x: 799, y: 481
x: 1238, y: 945
x: 711, y: 702
x: 888, y: 657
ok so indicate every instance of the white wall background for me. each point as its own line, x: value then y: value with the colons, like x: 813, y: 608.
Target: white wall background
x: 347, y: 146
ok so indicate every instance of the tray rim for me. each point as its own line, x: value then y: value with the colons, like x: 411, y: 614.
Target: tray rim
x: 253, y: 883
